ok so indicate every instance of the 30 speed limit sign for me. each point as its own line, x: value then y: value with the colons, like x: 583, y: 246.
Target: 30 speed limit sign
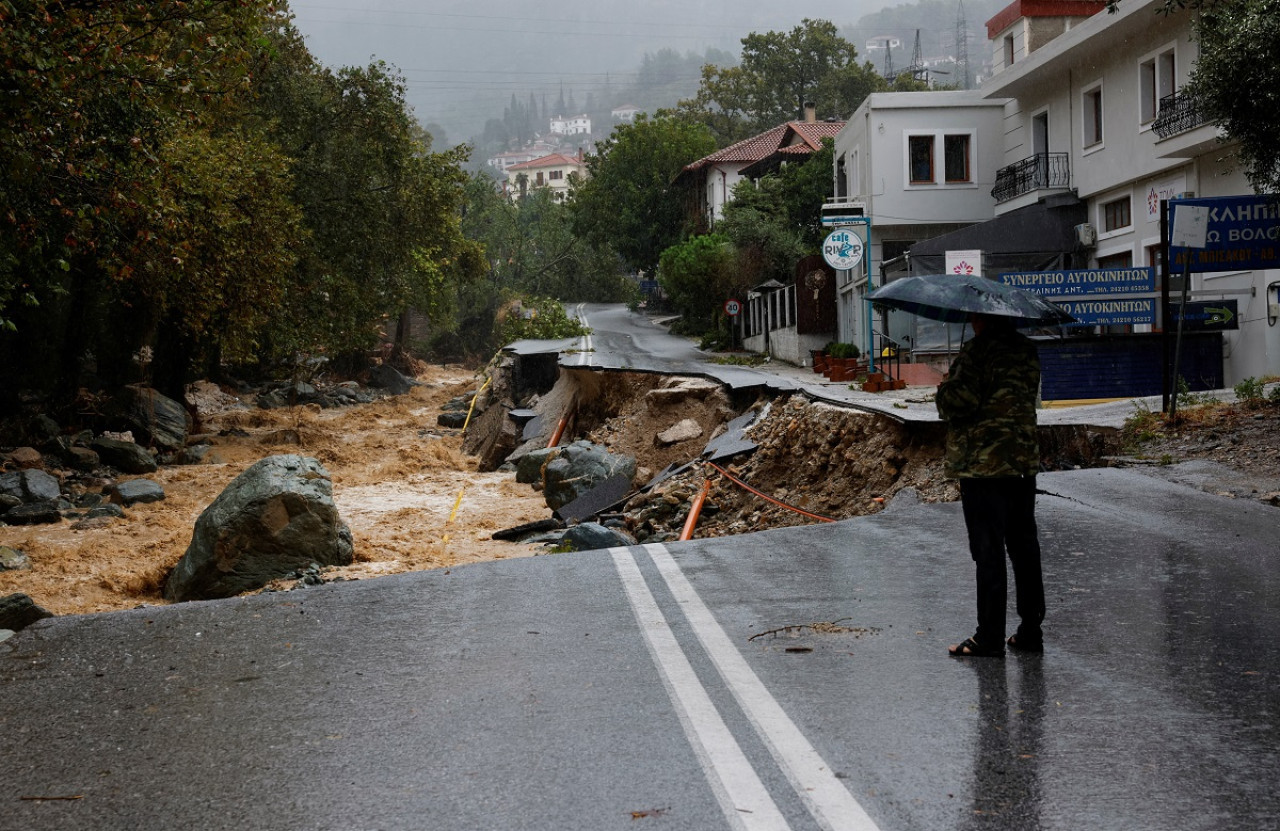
x: 732, y: 308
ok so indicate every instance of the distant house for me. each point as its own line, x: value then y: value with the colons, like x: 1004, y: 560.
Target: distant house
x: 714, y: 176
x: 625, y: 114
x: 571, y: 126
x: 551, y: 171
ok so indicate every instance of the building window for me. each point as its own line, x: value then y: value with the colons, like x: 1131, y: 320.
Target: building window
x: 1116, y: 215
x: 1092, y: 107
x: 955, y: 154
x: 538, y: 180
x: 920, y: 159
x: 1156, y: 80
x: 555, y: 174
x: 1008, y: 50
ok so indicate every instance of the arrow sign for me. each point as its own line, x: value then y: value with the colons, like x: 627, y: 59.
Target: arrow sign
x: 1214, y: 316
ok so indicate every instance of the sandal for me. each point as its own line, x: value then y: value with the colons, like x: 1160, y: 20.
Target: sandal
x: 969, y: 648
x: 1026, y: 645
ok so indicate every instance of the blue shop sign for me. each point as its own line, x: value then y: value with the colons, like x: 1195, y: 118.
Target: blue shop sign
x: 1115, y: 311
x: 1081, y: 282
x: 1243, y: 234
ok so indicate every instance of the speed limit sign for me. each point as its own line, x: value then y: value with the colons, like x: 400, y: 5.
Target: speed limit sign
x: 732, y: 308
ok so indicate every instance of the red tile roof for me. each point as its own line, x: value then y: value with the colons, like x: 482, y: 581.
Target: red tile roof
x: 796, y: 137
x: 553, y: 160
x: 1042, y: 8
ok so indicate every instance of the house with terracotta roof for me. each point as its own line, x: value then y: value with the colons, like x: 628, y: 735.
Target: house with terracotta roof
x: 551, y: 171
x: 714, y: 176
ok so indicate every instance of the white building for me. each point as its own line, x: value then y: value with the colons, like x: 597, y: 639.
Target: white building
x: 552, y: 171
x: 571, y: 126
x: 917, y: 165
x: 626, y: 114
x: 1093, y: 113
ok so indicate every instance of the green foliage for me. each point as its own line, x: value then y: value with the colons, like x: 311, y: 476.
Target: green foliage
x: 843, y: 350
x: 779, y: 73
x: 698, y: 276
x: 1233, y: 81
x: 182, y: 175
x: 1187, y: 398
x: 1250, y: 391
x: 539, y: 318
x: 629, y: 202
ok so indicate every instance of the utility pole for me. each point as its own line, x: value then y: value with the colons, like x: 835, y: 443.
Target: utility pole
x: 962, y: 49
x: 917, y: 69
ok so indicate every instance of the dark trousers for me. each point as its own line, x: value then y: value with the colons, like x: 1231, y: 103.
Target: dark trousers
x: 1000, y: 515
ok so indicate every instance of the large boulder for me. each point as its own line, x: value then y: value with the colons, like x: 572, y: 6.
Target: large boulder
x: 134, y: 491
x: 33, y: 513
x: 18, y: 611
x: 126, y: 456
x: 529, y: 467
x: 30, y: 486
x: 155, y: 418
x: 579, y: 468
x: 390, y: 379
x: 276, y: 517
x: 590, y: 536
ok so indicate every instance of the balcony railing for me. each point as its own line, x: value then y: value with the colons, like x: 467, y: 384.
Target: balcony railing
x: 1178, y: 113
x: 1043, y: 170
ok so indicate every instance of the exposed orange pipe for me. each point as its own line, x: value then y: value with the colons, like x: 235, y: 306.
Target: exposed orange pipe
x: 694, y: 511
x: 564, y: 422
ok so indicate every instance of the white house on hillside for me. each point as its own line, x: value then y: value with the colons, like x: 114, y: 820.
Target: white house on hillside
x: 571, y: 125
x: 552, y: 172
x: 714, y: 176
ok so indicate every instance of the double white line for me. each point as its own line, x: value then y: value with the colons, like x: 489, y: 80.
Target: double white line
x: 743, y: 797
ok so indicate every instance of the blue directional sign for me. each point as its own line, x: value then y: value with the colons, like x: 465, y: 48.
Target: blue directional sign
x: 1243, y: 234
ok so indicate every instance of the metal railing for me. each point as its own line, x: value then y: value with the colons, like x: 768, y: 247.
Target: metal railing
x: 1178, y: 113
x: 1043, y: 170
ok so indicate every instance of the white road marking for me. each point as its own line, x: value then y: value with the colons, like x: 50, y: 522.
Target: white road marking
x: 824, y: 795
x: 584, y: 356
x: 743, y: 798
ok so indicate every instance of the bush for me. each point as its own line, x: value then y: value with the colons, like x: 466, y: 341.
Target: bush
x: 1250, y: 391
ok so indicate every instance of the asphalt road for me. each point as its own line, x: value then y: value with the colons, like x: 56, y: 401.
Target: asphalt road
x: 639, y: 688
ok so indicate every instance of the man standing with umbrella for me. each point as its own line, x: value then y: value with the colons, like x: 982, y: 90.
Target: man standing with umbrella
x: 988, y: 401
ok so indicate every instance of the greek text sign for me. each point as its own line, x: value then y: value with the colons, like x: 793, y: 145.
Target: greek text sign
x: 1111, y: 312
x: 1086, y: 281
x: 1243, y: 234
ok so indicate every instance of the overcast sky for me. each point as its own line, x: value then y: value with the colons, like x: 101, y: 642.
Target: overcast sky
x: 455, y: 53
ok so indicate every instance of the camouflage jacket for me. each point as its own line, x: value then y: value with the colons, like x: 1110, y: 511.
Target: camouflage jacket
x: 988, y: 402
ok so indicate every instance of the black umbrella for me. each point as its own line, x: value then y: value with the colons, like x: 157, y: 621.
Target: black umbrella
x: 951, y: 298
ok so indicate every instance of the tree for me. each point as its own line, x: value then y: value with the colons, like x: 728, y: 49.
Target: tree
x: 628, y: 201
x: 781, y: 72
x: 697, y: 276
x: 1234, y: 81
x: 95, y: 95
x: 382, y: 212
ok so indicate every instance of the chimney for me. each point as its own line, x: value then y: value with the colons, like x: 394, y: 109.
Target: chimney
x: 810, y: 113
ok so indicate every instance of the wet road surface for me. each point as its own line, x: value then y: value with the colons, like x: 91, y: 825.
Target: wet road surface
x: 685, y: 686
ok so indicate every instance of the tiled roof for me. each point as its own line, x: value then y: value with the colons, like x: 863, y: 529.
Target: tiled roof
x: 1042, y: 8
x: 809, y: 135
x: 554, y: 160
